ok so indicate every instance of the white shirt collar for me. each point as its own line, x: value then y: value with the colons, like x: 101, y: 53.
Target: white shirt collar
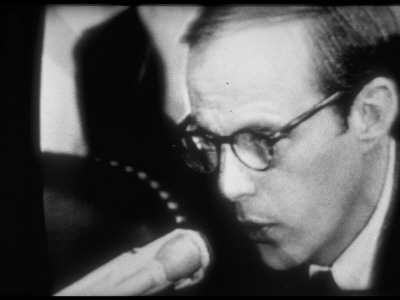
x: 353, y: 269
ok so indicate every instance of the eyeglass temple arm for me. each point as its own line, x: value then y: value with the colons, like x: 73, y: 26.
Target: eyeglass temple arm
x: 308, y: 114
x: 289, y: 126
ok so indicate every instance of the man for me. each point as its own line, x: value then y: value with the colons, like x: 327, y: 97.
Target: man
x: 292, y: 109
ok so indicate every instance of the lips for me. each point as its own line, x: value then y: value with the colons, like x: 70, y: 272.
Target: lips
x: 258, y: 232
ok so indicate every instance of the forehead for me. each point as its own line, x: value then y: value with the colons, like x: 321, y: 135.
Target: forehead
x: 240, y: 68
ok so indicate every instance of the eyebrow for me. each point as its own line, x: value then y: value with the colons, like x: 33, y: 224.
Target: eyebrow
x: 198, y: 128
x: 261, y: 126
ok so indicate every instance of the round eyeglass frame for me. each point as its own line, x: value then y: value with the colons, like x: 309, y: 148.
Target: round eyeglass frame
x: 272, y: 137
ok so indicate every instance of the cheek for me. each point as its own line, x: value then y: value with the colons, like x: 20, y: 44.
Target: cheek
x: 315, y: 178
x: 311, y: 196
x: 325, y: 160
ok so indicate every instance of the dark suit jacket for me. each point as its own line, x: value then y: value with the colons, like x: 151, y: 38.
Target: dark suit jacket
x: 388, y: 257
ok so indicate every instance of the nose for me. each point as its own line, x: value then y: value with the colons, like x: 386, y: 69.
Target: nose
x: 234, y: 178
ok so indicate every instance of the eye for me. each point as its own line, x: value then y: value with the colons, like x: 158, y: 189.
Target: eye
x: 197, y: 141
x: 203, y: 143
x: 254, y: 150
x: 253, y: 142
x: 265, y: 139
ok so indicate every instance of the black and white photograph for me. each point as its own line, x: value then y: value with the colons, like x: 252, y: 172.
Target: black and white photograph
x: 198, y: 150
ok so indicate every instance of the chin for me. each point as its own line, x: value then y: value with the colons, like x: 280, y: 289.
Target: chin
x: 276, y: 258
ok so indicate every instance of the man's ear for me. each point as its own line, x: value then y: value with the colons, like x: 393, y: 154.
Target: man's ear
x: 374, y: 111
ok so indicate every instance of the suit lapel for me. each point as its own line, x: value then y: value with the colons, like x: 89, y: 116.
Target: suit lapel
x: 388, y: 259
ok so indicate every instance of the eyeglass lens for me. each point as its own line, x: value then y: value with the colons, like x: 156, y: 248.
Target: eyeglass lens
x: 202, y: 154
x: 253, y: 150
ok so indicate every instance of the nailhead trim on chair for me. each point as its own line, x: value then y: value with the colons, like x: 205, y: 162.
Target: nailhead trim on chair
x: 171, y: 204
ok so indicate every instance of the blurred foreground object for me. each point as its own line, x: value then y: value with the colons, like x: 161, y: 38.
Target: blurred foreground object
x: 180, y: 258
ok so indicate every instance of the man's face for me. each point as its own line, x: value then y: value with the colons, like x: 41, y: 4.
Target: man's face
x: 305, y: 206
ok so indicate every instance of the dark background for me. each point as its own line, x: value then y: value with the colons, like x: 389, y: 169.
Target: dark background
x: 24, y: 264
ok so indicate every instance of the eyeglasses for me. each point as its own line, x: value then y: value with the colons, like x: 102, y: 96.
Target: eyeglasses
x: 201, y: 151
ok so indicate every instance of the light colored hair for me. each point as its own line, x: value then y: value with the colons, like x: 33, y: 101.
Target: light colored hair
x: 352, y: 44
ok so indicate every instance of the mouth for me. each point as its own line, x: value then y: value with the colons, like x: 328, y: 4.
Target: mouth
x: 258, y: 232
